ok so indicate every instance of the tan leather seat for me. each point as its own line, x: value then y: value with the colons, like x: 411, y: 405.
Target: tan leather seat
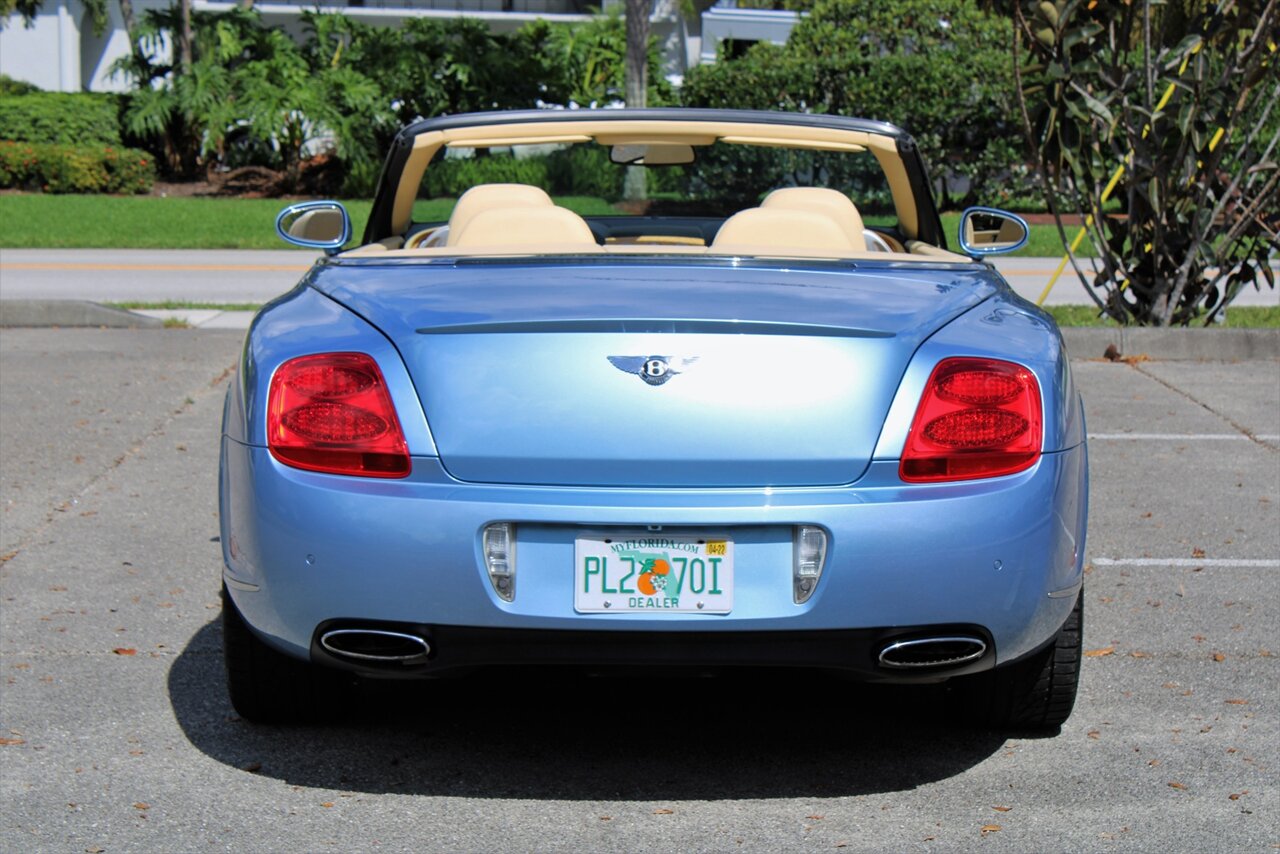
x: 540, y: 228
x: 830, y: 203
x: 775, y: 231
x: 485, y: 197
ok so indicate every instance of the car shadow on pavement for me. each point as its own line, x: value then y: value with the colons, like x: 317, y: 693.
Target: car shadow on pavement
x: 574, y: 737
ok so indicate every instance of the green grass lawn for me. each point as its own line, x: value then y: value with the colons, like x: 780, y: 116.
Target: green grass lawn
x: 39, y: 221
x: 143, y: 222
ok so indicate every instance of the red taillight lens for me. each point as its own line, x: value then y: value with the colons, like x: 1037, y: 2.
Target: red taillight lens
x: 977, y: 418
x: 331, y: 413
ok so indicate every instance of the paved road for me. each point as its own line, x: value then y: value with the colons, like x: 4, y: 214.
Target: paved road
x: 226, y: 276
x: 108, y: 542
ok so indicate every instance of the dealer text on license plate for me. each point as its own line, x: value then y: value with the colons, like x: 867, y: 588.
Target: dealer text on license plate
x: 653, y: 573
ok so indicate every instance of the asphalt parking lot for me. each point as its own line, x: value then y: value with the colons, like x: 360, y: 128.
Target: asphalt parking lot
x: 116, y: 733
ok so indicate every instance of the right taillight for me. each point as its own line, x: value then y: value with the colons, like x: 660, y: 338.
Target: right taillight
x: 977, y: 418
x: 331, y: 412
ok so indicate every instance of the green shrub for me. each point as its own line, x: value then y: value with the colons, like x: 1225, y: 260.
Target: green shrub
x: 453, y: 176
x: 60, y: 117
x: 9, y: 86
x: 75, y: 168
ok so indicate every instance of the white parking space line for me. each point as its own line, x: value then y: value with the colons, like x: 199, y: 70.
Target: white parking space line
x: 1265, y: 563
x: 1186, y: 437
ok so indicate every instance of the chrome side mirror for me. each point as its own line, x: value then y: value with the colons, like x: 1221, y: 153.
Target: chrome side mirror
x: 990, y: 231
x: 315, y: 225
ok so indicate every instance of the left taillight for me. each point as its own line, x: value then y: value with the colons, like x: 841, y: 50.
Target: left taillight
x: 977, y: 418
x: 331, y: 413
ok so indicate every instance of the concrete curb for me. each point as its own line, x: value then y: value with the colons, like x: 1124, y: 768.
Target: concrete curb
x: 68, y: 312
x: 1223, y: 345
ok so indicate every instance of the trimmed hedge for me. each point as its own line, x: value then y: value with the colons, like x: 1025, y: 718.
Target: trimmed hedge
x: 451, y: 177
x: 580, y: 170
x: 60, y: 117
x: 75, y: 168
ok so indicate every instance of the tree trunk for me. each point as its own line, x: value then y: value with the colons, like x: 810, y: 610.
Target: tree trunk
x: 130, y: 26
x: 636, y: 77
x: 184, y: 37
x: 130, y: 23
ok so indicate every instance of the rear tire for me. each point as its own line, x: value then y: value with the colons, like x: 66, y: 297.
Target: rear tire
x: 1037, y: 693
x: 267, y: 686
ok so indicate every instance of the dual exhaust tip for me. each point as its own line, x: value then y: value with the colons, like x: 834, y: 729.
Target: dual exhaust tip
x: 376, y: 646
x: 922, y: 653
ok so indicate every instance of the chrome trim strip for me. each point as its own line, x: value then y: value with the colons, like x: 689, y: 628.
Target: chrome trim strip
x: 960, y: 659
x: 324, y: 642
x: 1067, y: 591
x: 232, y: 581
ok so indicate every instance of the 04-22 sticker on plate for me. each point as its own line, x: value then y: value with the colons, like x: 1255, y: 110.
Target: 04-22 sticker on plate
x: 651, y: 573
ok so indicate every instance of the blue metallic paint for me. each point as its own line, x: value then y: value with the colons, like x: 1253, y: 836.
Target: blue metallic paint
x: 987, y: 551
x: 898, y: 554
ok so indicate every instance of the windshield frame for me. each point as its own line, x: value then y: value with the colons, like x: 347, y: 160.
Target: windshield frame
x: 416, y: 144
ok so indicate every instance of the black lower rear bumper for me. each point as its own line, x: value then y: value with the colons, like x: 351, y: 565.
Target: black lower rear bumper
x: 456, y: 649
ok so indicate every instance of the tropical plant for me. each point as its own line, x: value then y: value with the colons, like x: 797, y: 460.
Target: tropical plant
x: 431, y: 66
x: 588, y: 64
x: 249, y: 84
x: 1173, y: 111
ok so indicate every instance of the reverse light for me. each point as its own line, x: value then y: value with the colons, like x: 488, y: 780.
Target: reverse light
x: 498, y: 543
x: 977, y: 418
x: 331, y: 413
x: 809, y: 554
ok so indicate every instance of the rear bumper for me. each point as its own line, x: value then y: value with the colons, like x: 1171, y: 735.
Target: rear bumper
x: 461, y: 648
x: 1002, y: 557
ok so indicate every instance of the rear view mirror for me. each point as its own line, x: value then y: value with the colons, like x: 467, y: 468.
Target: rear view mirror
x: 990, y: 231
x: 315, y: 225
x: 655, y: 154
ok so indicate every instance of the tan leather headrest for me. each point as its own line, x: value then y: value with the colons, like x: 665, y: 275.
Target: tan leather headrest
x: 489, y: 197
x: 831, y: 203
x: 527, y: 226
x: 769, y: 231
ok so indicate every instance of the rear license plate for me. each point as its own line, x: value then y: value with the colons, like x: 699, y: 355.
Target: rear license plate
x: 682, y: 574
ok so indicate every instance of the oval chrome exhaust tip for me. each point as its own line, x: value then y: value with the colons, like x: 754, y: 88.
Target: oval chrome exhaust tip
x: 375, y: 645
x: 932, y: 652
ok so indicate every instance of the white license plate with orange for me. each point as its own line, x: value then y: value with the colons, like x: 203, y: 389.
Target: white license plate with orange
x: 653, y: 573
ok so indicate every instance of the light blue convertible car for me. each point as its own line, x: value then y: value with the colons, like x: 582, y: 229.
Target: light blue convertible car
x: 729, y: 399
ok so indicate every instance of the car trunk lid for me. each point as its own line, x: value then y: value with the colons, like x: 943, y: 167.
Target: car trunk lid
x: 654, y: 375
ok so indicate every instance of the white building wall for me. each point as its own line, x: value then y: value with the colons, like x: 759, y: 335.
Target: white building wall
x: 60, y: 52
x: 34, y: 53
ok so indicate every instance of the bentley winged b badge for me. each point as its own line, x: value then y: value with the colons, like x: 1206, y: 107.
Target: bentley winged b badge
x: 655, y: 370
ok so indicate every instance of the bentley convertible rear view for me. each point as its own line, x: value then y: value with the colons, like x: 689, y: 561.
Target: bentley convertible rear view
x: 745, y: 407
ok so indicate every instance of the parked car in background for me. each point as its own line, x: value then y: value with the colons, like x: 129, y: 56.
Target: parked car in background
x: 764, y: 416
